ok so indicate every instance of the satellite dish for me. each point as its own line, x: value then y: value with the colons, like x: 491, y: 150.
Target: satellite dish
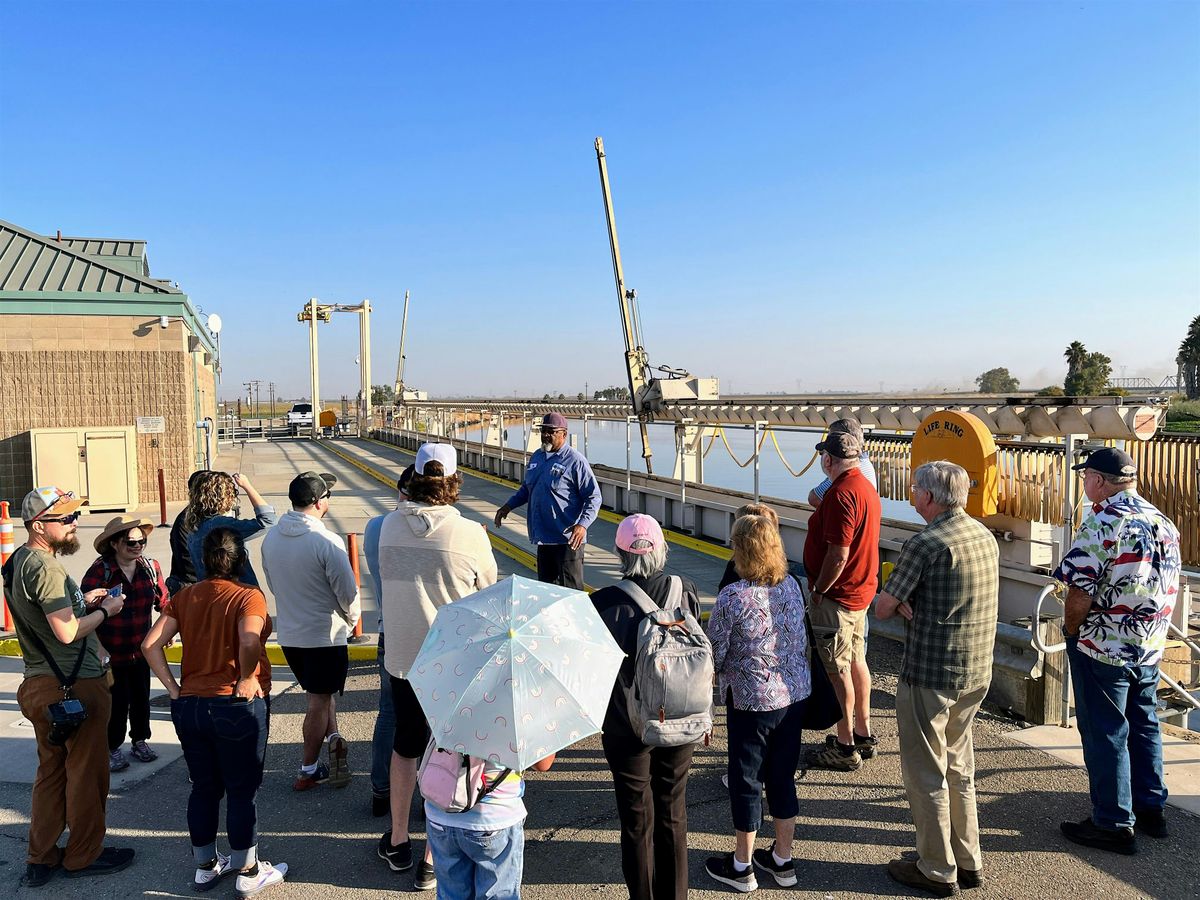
x: 214, y: 323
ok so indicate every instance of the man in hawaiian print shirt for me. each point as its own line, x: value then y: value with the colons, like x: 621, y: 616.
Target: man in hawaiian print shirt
x: 1122, y: 577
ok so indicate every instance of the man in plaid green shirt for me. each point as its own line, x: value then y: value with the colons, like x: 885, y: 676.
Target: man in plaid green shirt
x: 946, y: 584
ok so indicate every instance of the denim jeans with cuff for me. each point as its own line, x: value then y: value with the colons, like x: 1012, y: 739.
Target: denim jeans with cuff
x: 224, y: 743
x: 1122, y: 744
x: 764, y: 748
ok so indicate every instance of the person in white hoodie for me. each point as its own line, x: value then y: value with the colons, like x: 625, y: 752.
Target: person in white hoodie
x: 429, y: 555
x: 316, y: 608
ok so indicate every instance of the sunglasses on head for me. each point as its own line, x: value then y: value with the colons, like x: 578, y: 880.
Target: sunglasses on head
x: 62, y: 520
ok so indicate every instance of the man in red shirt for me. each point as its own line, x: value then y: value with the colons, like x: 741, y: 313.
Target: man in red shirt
x: 841, y: 559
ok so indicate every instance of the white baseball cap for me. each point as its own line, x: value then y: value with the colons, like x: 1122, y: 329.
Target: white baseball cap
x: 439, y: 453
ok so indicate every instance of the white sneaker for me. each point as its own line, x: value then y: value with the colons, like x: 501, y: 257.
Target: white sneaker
x: 206, y: 879
x: 268, y: 876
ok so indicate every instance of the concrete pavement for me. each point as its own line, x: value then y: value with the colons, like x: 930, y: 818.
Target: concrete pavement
x: 849, y: 825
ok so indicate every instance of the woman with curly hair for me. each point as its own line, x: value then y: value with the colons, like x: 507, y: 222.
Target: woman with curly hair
x: 213, y: 505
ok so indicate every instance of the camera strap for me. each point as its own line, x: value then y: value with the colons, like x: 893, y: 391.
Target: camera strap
x: 63, y: 680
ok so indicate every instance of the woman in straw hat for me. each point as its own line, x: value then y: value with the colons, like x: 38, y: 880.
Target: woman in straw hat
x: 123, y: 563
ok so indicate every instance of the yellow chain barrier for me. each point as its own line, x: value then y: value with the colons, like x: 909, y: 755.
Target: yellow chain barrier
x: 783, y: 460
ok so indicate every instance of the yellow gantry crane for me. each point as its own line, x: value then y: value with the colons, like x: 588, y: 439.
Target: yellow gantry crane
x: 314, y: 311
x: 647, y: 394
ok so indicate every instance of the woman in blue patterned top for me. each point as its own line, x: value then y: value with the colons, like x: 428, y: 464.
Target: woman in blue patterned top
x: 760, y: 653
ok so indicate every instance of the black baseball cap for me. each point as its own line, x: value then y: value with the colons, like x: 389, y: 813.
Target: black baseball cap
x: 1108, y: 461
x: 841, y: 444
x: 309, y: 487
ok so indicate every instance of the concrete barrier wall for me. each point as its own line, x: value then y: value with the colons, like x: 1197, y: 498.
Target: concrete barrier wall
x: 1024, y: 681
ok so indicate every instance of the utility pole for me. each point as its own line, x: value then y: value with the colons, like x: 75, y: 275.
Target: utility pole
x: 271, y: 419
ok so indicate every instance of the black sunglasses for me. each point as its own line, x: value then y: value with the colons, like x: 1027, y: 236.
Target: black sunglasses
x: 62, y: 520
x: 130, y: 542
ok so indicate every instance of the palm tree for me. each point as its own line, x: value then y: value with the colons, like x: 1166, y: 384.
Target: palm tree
x: 1188, y: 360
x: 1076, y: 355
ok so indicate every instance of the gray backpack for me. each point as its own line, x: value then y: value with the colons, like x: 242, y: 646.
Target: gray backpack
x: 671, y: 701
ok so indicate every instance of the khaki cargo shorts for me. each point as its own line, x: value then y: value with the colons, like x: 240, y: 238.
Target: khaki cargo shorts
x: 839, y: 634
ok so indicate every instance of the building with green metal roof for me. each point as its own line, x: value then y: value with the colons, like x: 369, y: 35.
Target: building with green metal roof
x: 91, y: 343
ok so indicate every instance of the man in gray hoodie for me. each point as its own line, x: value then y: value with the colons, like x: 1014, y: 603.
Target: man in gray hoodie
x: 316, y: 608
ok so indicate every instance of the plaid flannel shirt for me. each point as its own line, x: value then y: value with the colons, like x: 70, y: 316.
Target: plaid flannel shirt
x: 950, y: 575
x: 122, y: 635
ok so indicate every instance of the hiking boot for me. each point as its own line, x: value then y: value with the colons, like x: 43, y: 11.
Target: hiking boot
x: 339, y: 766
x: 398, y: 856
x: 906, y: 872
x: 117, y: 761
x: 257, y: 879
x: 142, y: 753
x: 426, y: 880
x: 865, y: 746
x: 381, y: 805
x: 37, y: 874
x: 1151, y: 821
x: 1088, y: 834
x: 207, y: 877
x: 967, y: 878
x: 720, y: 868
x: 306, y: 782
x: 111, y: 859
x: 833, y: 757
x: 784, y: 875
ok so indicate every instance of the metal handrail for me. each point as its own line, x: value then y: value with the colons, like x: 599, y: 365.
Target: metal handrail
x: 1048, y: 590
x: 1191, y: 701
x: 1054, y: 590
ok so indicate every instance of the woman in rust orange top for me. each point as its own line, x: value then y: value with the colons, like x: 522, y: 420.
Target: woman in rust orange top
x: 221, y: 709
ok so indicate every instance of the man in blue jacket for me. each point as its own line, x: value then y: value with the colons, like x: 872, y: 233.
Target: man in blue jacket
x: 564, y: 499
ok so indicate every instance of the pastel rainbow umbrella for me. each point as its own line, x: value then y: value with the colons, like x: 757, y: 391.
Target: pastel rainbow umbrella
x: 516, y: 672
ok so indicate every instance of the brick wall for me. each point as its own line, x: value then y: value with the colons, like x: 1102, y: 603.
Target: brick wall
x: 85, y: 371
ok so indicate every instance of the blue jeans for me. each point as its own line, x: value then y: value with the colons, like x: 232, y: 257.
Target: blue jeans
x: 225, y: 746
x: 478, y: 865
x: 1122, y: 744
x: 764, y: 748
x: 385, y: 729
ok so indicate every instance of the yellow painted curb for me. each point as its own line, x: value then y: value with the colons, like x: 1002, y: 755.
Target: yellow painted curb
x: 358, y: 652
x: 674, y: 537
x: 499, y: 544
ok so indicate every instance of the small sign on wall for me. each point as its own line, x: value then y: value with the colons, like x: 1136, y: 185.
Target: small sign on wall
x: 151, y: 424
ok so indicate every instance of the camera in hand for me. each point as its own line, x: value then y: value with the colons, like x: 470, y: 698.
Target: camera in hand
x: 65, y: 718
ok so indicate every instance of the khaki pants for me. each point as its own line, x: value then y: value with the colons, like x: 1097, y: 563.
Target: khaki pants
x: 72, y: 781
x: 937, y: 760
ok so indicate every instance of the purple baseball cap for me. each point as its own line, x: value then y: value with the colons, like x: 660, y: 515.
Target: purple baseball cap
x: 553, y: 420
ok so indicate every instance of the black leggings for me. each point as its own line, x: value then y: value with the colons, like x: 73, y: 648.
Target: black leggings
x: 130, y: 703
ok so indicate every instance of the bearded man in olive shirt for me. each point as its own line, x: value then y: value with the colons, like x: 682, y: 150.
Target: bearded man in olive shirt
x: 55, y: 625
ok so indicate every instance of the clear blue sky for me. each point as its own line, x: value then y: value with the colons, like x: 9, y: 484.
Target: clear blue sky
x: 809, y: 195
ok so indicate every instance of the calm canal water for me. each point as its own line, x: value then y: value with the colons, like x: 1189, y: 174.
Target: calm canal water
x: 606, y: 446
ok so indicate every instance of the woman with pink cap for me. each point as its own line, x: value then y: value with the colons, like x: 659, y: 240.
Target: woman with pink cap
x: 650, y: 782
